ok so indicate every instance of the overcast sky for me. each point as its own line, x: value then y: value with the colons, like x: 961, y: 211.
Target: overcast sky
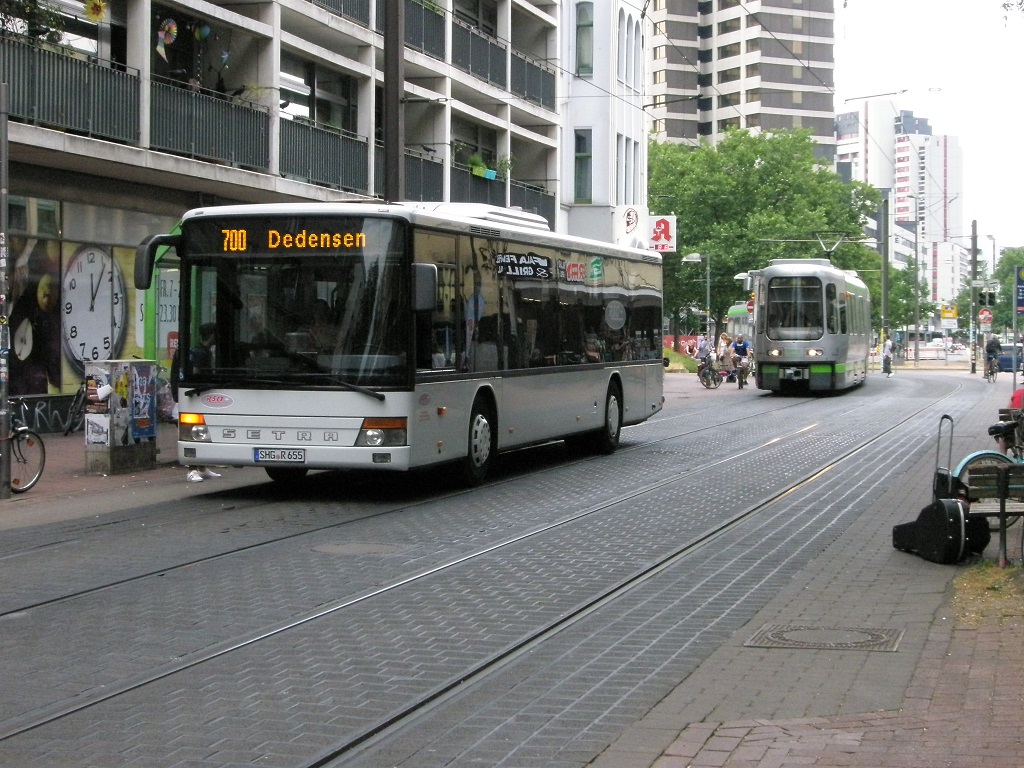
x: 960, y: 63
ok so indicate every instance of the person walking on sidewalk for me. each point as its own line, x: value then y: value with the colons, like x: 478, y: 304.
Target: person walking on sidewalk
x: 201, y: 356
x: 887, y: 357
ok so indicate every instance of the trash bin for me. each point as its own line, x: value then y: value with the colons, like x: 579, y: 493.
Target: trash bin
x: 120, y: 416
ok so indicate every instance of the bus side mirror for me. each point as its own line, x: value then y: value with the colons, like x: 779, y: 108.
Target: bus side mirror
x: 424, y: 278
x: 145, y: 258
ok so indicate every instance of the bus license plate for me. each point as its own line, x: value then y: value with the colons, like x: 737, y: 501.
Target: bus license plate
x: 289, y: 455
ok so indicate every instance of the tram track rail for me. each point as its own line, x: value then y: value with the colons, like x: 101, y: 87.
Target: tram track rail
x: 414, y: 708
x: 64, y: 541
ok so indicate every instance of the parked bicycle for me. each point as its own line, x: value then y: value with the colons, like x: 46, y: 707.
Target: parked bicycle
x: 76, y: 413
x: 1009, y: 435
x: 28, y: 452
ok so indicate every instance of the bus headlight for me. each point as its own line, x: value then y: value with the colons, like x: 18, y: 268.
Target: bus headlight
x: 774, y: 353
x: 382, y: 431
x: 192, y: 428
x: 815, y: 352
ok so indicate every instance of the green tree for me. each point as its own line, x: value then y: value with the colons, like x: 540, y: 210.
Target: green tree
x: 749, y: 199
x: 906, y: 304
x: 33, y: 18
x: 1010, y: 263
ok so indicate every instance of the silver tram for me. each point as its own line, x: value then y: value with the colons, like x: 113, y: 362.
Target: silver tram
x: 812, y: 326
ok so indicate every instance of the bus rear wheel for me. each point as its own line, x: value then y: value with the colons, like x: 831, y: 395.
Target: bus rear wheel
x: 482, y: 444
x: 286, y: 474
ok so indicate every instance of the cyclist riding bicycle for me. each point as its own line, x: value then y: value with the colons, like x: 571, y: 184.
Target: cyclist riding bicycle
x: 992, y: 351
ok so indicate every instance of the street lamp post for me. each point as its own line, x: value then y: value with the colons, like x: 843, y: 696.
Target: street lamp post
x: 917, y: 281
x: 696, y: 258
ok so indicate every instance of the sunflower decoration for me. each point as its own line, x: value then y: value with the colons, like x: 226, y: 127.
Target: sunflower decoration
x: 95, y: 10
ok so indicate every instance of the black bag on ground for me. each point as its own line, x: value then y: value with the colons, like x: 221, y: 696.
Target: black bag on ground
x: 942, y: 533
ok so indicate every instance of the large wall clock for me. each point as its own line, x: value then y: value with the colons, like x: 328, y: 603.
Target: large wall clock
x: 94, y: 307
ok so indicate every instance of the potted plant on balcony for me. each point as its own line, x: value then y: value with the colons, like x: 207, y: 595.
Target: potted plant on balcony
x: 32, y: 18
x: 504, y: 166
x: 477, y: 166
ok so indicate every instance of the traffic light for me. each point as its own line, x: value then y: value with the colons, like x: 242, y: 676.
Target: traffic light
x: 987, y: 299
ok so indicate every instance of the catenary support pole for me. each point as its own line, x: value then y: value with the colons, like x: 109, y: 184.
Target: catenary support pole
x: 5, y: 292
x: 974, y: 296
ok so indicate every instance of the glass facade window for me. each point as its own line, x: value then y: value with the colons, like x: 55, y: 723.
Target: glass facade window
x: 584, y: 38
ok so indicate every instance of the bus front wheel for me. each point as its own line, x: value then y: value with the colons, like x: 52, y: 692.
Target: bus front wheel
x: 607, y: 440
x: 482, y: 447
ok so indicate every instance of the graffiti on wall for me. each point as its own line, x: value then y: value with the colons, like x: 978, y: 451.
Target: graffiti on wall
x: 46, y: 413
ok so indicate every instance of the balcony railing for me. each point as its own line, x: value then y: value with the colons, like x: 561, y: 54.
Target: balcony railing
x: 467, y: 187
x: 209, y: 127
x: 478, y: 54
x: 532, y: 199
x: 424, y: 178
x: 321, y: 155
x: 424, y: 28
x: 357, y: 10
x: 532, y: 81
x: 67, y: 90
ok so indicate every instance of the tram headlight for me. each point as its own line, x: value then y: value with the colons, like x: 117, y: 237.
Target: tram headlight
x: 774, y: 353
x: 388, y: 431
x: 815, y: 353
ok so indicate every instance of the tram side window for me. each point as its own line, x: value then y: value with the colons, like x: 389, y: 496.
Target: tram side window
x: 832, y: 308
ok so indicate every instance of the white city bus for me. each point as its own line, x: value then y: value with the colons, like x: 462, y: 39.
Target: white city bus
x: 393, y: 336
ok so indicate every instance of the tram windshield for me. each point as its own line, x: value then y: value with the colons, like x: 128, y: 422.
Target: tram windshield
x: 270, y: 309
x: 795, y: 309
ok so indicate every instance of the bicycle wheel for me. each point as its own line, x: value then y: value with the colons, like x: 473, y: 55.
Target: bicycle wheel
x: 963, y: 474
x: 76, y: 412
x: 28, y: 457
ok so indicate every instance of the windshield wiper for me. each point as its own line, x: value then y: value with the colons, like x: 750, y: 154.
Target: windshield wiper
x: 356, y: 388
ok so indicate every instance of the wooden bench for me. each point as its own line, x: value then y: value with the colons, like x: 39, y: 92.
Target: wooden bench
x: 999, y: 482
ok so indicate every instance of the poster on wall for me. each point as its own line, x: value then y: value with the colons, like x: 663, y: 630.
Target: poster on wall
x: 142, y: 401
x: 35, y: 316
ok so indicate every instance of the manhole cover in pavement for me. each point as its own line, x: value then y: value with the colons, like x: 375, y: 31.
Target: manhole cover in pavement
x: 825, y: 638
x: 359, y: 548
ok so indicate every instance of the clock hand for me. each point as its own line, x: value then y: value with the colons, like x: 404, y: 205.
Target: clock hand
x: 96, y: 286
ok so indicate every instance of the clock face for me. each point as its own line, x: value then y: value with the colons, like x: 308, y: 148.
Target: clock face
x: 94, y: 307
x: 23, y: 339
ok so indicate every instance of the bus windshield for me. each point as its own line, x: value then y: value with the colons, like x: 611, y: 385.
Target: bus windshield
x: 296, y: 302
x: 794, y: 309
